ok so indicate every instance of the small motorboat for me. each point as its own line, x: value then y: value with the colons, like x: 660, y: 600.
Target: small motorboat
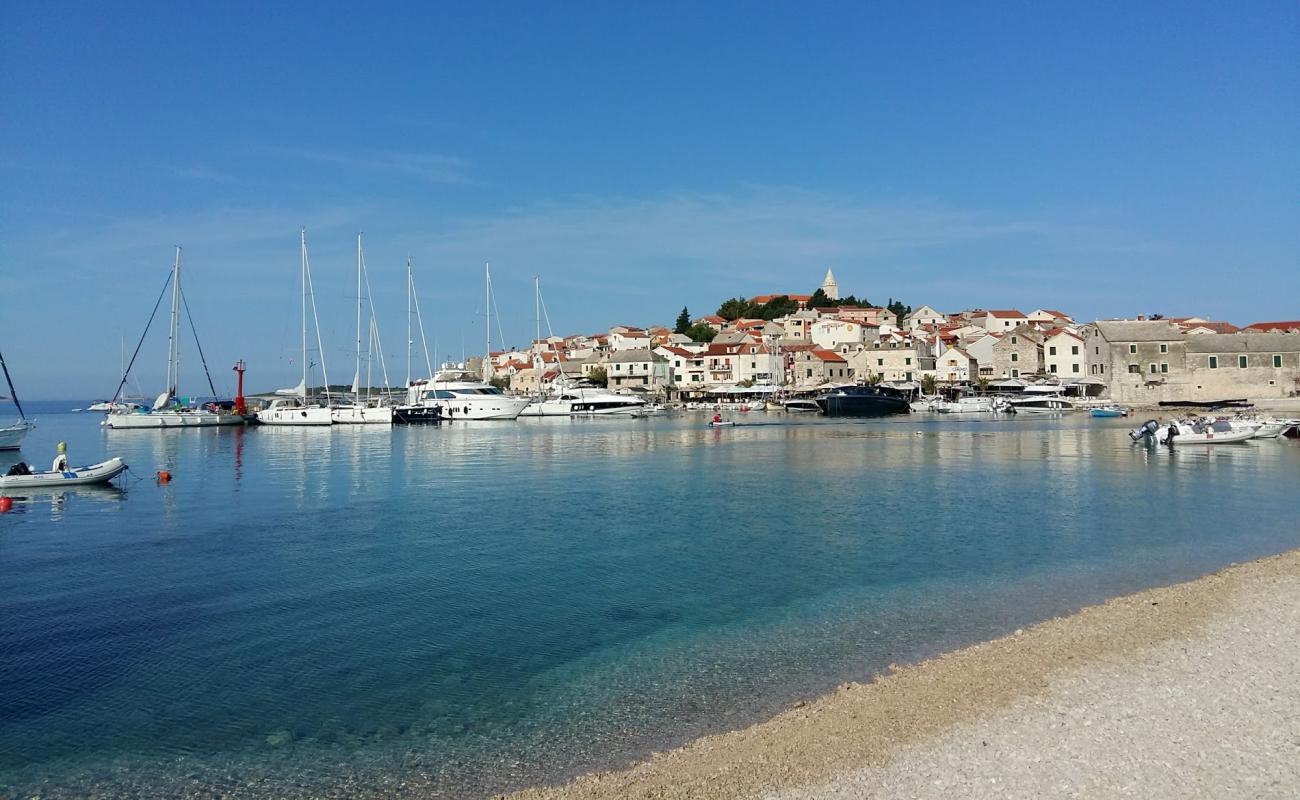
x: 722, y: 423
x: 1196, y: 432
x: 103, y: 472
x: 803, y: 405
x: 1112, y: 410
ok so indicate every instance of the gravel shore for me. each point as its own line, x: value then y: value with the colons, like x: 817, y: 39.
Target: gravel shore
x: 1183, y: 691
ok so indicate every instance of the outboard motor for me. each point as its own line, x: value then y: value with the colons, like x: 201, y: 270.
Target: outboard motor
x: 1146, y: 431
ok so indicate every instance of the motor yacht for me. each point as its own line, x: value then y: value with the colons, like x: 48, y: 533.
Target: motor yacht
x: 462, y: 395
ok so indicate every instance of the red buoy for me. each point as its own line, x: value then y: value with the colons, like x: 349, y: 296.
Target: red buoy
x: 6, y: 503
x: 164, y: 476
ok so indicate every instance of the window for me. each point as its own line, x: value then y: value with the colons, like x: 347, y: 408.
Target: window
x: 908, y: 362
x: 909, y: 376
x: 1074, y: 367
x: 1134, y: 369
x: 1164, y: 368
x: 1015, y: 373
x: 1015, y: 357
x: 810, y: 372
x: 1277, y: 362
x: 1164, y: 348
x: 1154, y: 369
x: 1214, y: 362
x: 1052, y: 368
x: 880, y: 362
x: 1051, y: 351
x: 1241, y: 361
x: 1074, y: 350
x: 1014, y: 340
x: 1132, y: 349
x: 1103, y: 369
x: 1096, y: 351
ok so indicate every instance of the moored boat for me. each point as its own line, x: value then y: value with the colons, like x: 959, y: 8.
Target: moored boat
x: 169, y: 411
x: 293, y: 406
x: 861, y: 401
x: 1112, y: 410
x: 102, y: 472
x: 12, y: 435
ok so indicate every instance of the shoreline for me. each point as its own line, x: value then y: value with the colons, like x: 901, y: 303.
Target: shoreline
x: 902, y: 722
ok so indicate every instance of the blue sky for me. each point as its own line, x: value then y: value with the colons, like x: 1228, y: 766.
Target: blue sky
x: 1101, y: 158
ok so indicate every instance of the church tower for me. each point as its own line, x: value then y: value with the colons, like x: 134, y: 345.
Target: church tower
x: 830, y: 287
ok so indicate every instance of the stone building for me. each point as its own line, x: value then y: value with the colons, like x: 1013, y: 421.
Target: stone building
x: 1018, y: 353
x: 1153, y: 360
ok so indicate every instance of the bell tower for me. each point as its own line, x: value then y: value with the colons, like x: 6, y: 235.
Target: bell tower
x: 830, y: 287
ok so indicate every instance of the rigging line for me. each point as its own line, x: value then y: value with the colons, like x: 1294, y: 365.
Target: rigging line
x: 493, y: 295
x: 197, y: 345
x: 374, y: 328
x: 13, y: 393
x: 320, y: 347
x: 131, y: 363
x: 427, y: 363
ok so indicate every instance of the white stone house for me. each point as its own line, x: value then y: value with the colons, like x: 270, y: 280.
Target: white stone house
x: 925, y: 315
x: 1063, y: 355
x: 955, y: 365
x: 1003, y: 321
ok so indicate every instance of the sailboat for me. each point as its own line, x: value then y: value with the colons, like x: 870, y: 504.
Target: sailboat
x: 169, y: 411
x: 360, y: 412
x: 11, y: 436
x: 291, y: 407
x: 415, y: 412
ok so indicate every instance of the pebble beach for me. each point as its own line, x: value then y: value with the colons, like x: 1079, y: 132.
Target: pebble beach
x: 1180, y: 691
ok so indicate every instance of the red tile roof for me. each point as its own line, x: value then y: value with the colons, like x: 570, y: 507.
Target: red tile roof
x: 828, y: 355
x: 1010, y: 314
x: 1292, y: 325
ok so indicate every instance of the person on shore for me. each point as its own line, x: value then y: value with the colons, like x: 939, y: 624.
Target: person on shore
x: 61, y: 460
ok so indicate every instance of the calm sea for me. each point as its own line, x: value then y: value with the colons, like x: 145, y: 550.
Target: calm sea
x: 450, y: 611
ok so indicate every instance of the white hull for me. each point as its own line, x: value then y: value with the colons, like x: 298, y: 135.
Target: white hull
x: 296, y: 415
x: 1042, y: 405
x: 171, y: 419
x: 497, y: 409
x: 80, y: 476
x: 586, y: 405
x: 355, y: 415
x: 1187, y: 435
x: 11, y: 436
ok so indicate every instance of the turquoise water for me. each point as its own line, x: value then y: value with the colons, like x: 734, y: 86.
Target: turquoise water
x: 451, y: 611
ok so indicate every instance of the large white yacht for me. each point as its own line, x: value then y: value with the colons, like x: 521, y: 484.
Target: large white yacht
x: 295, y: 411
x: 583, y: 400
x: 463, y: 395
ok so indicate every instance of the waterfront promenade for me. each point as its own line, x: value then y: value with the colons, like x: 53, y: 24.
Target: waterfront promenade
x: 1175, y: 692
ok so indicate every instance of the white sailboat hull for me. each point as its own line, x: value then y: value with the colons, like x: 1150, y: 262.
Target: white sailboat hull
x: 170, y: 419
x: 356, y: 415
x: 11, y: 436
x: 297, y: 415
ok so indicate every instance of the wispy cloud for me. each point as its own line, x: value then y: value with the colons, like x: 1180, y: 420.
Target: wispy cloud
x: 427, y: 167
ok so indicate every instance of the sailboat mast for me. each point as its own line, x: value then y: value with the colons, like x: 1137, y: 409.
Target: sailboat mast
x: 487, y: 303
x: 302, y: 237
x: 356, y: 376
x: 409, y: 342
x: 173, y: 334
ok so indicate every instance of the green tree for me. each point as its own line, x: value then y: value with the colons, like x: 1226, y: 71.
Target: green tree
x: 874, y: 378
x: 929, y: 384
x: 598, y: 376
x: 983, y: 384
x: 898, y: 308
x: 820, y: 300
x: 683, y: 321
x: 502, y: 382
x: 776, y: 307
x: 701, y: 333
x: 735, y: 308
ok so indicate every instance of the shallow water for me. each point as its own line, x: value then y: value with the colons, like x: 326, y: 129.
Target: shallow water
x: 455, y: 610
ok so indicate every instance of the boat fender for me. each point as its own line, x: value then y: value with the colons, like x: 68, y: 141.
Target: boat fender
x: 6, y: 503
x: 164, y: 476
